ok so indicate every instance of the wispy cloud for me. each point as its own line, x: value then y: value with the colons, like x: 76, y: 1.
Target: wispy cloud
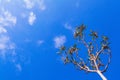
x: 19, y: 67
x: 29, y: 4
x: 42, y: 5
x: 2, y: 30
x: 39, y: 42
x: 68, y: 26
x: 59, y: 41
x: 32, y: 18
x: 5, y: 45
x: 3, y: 42
x: 7, y: 19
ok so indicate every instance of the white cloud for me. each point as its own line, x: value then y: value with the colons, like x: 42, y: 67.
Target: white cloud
x: 68, y: 26
x: 29, y: 4
x: 42, y: 5
x: 7, y: 19
x: 7, y: 51
x: 39, y: 42
x: 3, y: 30
x: 19, y: 67
x: 59, y: 41
x: 32, y: 18
x: 5, y: 45
x: 3, y: 42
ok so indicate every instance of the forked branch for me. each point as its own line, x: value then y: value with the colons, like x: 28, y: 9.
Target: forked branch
x: 94, y: 62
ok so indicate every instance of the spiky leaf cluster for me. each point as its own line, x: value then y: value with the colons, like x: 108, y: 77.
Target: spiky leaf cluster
x: 94, y: 52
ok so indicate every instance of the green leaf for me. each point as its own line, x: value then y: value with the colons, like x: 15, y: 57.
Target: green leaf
x: 79, y: 31
x: 94, y: 35
x: 62, y: 48
x: 105, y: 38
x: 66, y: 60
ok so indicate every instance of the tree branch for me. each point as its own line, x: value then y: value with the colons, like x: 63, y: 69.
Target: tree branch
x: 99, y: 52
x: 86, y: 45
x: 109, y: 60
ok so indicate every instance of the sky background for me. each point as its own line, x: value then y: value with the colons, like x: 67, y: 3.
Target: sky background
x: 32, y: 30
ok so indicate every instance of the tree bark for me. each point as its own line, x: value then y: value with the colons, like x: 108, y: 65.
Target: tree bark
x: 101, y: 75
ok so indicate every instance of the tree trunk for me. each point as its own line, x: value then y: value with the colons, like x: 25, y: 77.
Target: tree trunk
x: 101, y: 75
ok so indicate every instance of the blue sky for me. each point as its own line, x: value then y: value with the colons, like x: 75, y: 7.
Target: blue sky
x: 32, y: 30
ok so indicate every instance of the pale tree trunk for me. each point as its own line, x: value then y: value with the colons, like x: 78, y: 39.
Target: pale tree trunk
x: 101, y: 75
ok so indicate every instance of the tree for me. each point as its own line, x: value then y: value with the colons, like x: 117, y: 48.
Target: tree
x: 98, y: 49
